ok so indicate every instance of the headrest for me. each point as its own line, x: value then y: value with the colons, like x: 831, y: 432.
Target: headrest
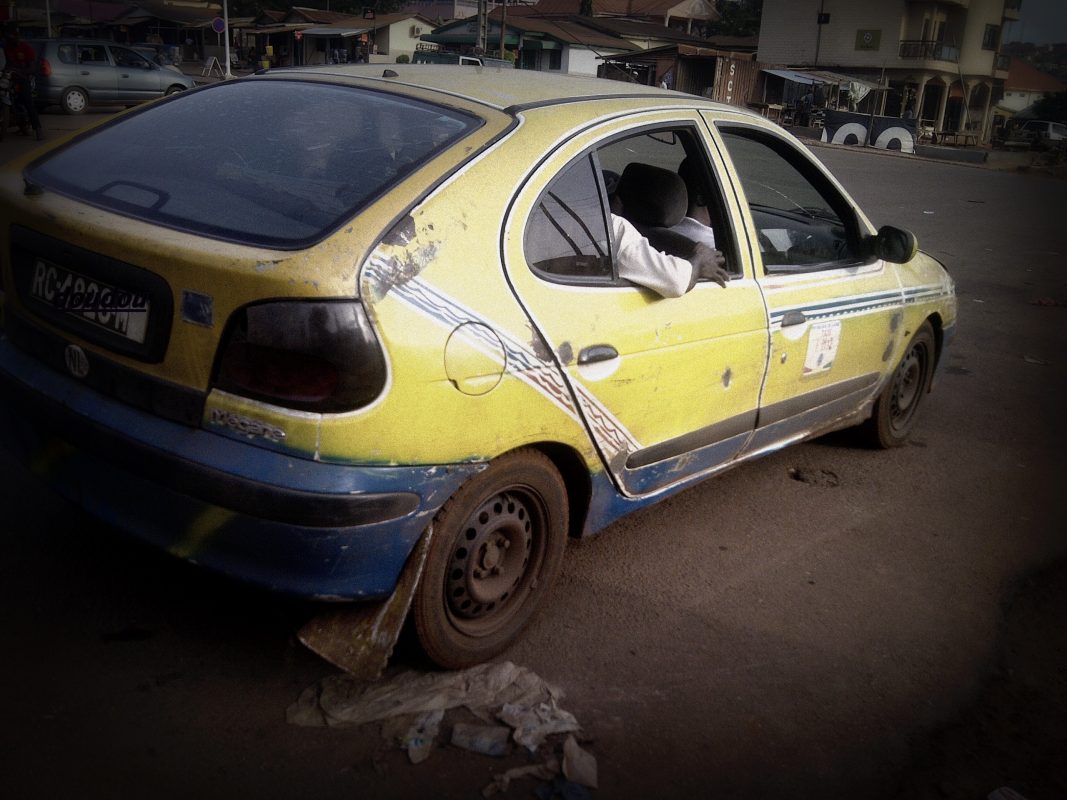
x: 689, y: 172
x: 652, y: 196
x: 611, y: 181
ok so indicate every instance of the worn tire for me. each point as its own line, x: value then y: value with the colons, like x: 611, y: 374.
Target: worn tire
x: 74, y: 100
x: 497, y: 547
x: 895, y: 409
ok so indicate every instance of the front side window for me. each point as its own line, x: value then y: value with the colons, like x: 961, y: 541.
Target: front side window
x: 802, y: 222
x: 204, y: 161
x: 128, y: 58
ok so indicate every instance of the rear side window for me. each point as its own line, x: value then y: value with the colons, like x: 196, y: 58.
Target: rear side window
x: 67, y: 54
x: 567, y: 235
x: 207, y: 162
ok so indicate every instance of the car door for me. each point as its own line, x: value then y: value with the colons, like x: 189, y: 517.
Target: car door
x: 95, y: 73
x: 668, y: 387
x: 137, y: 78
x: 834, y: 311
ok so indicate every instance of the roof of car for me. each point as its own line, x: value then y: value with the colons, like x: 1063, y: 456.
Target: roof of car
x: 499, y: 88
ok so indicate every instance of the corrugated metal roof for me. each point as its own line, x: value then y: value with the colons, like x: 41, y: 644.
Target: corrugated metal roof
x: 333, y: 30
x: 808, y: 77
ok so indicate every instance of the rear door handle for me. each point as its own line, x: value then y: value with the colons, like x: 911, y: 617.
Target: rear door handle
x: 793, y: 318
x: 597, y: 352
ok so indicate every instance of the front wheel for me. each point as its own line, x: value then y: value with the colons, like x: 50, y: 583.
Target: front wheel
x: 174, y: 90
x: 894, y: 411
x: 497, y: 547
x: 74, y: 100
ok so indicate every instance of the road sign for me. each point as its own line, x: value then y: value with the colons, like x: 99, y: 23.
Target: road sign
x: 218, y: 25
x: 298, y: 35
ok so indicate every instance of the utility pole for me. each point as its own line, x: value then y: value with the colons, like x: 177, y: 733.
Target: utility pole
x: 822, y: 19
x: 503, y: 19
x: 226, y: 27
x: 483, y: 26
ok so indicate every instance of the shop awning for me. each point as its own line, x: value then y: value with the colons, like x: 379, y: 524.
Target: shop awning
x: 328, y: 31
x: 808, y: 77
x: 790, y: 75
x: 272, y: 29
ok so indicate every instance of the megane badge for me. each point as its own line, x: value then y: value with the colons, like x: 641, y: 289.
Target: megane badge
x: 77, y: 361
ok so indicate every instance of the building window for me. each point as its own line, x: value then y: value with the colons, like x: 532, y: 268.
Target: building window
x: 991, y: 38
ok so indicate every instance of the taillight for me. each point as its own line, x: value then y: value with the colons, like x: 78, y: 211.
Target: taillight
x: 306, y: 355
x: 46, y: 68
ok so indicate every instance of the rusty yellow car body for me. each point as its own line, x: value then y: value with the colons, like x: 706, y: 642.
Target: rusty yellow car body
x: 511, y: 387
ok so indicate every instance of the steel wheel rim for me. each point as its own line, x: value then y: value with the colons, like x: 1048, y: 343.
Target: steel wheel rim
x: 495, y: 560
x: 908, y: 383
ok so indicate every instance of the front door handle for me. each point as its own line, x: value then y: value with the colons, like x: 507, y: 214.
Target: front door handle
x: 597, y: 352
x: 793, y: 318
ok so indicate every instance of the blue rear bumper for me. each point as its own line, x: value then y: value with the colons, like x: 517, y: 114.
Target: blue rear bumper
x: 288, y: 524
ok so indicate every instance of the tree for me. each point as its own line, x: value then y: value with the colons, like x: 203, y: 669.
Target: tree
x: 738, y: 17
x: 1052, y: 107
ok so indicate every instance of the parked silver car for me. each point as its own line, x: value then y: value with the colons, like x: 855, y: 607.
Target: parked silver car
x: 1037, y: 134
x: 77, y: 73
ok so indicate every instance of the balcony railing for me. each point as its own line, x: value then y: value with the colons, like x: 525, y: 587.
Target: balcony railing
x: 928, y: 50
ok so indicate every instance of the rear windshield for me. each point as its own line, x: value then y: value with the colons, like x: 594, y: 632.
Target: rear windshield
x: 263, y: 162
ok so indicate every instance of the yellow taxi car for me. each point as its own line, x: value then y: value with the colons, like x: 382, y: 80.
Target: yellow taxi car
x: 397, y: 313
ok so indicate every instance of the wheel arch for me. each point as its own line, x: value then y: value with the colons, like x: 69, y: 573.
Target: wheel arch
x: 572, y: 468
x: 939, y: 341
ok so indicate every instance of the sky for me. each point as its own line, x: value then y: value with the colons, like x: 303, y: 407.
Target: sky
x: 1040, y: 22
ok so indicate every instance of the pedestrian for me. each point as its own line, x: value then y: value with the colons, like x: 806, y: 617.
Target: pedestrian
x: 5, y: 96
x: 21, y: 59
x: 804, y: 117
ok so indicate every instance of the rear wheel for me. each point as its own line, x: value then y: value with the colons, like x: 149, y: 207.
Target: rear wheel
x: 74, y: 100
x: 894, y: 411
x: 174, y: 89
x: 497, y: 547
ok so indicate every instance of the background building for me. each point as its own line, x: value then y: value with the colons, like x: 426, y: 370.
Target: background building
x: 940, y: 58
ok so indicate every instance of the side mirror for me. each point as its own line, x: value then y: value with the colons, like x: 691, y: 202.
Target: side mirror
x: 895, y: 245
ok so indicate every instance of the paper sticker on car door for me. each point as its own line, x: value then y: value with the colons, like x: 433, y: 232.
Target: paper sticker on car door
x: 823, y: 338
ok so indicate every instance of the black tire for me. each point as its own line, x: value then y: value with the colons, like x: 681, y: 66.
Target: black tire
x: 895, y: 409
x: 497, y: 547
x: 74, y: 100
x: 174, y: 90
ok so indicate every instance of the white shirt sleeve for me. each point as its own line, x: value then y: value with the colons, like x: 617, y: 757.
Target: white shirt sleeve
x: 695, y: 230
x: 640, y: 263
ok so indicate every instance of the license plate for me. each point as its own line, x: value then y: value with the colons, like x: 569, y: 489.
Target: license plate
x: 117, y: 310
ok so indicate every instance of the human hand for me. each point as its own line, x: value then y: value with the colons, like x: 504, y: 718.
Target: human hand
x: 710, y: 264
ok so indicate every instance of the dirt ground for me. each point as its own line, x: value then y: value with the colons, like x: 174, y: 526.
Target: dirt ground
x: 1015, y: 732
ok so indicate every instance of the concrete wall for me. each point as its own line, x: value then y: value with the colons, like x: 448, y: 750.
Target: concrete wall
x: 580, y: 61
x: 789, y: 33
